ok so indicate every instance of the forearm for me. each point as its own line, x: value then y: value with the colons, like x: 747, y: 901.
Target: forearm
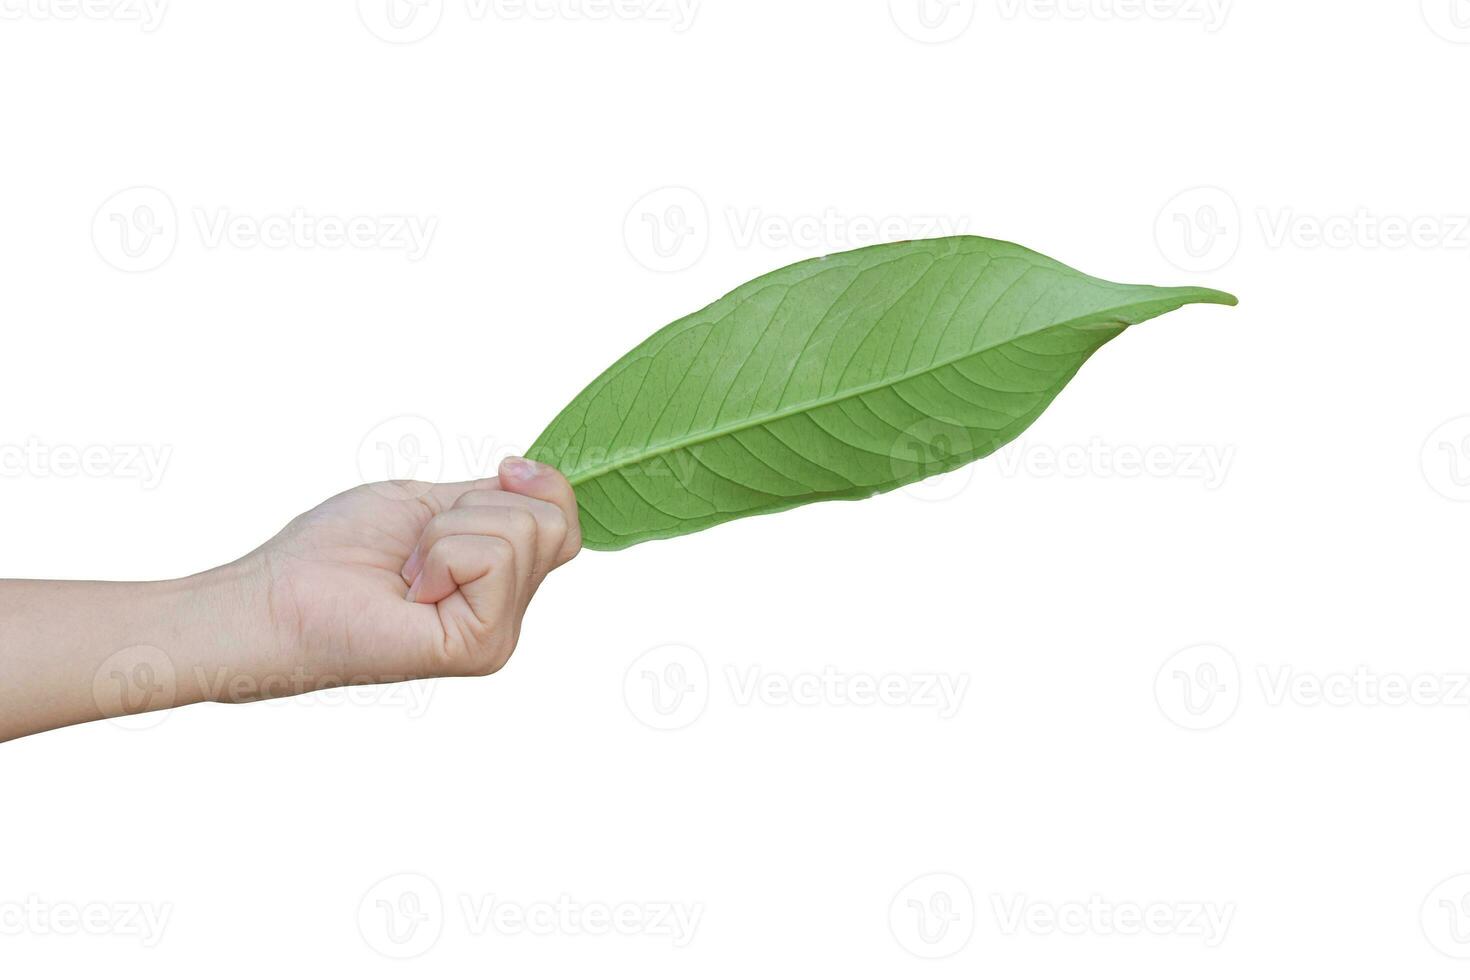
x: 72, y: 652
x: 370, y: 587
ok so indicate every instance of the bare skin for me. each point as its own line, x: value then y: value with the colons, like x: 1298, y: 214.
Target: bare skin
x: 384, y: 583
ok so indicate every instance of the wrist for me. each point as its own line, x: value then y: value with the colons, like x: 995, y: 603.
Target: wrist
x: 227, y: 643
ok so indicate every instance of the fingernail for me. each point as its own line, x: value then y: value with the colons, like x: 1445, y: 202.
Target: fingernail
x: 413, y: 590
x: 522, y: 468
x: 411, y: 567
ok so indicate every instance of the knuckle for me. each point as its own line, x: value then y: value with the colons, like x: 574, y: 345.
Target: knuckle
x: 438, y: 526
x: 573, y: 546
x: 500, y: 550
x: 473, y: 498
x: 447, y: 546
x: 484, y: 648
x: 495, y: 654
x: 522, y: 523
x: 555, y: 523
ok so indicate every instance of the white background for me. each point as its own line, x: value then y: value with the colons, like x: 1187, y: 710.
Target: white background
x: 1140, y: 732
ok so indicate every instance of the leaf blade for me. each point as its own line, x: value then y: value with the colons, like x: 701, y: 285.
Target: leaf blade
x: 804, y: 384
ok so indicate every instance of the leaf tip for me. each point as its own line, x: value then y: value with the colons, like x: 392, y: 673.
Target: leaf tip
x: 1218, y: 297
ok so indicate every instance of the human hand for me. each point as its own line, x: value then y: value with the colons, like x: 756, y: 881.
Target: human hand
x: 387, y: 582
x: 396, y: 581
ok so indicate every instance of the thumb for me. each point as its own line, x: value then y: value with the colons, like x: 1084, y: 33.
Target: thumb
x: 542, y: 482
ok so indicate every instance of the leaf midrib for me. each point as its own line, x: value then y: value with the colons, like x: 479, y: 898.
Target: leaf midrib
x: 1102, y: 317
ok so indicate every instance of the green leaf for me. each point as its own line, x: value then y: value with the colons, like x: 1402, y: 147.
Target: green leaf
x: 835, y: 379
